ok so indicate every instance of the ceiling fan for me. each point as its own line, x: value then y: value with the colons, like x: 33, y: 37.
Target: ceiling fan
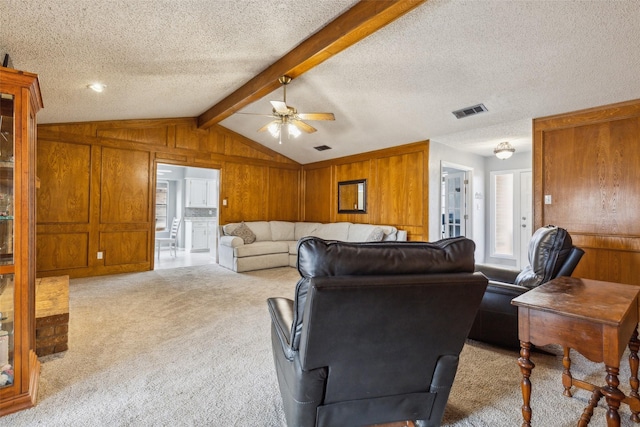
x: 287, y: 119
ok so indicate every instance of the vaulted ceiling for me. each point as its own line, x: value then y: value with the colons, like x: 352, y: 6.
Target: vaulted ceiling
x: 196, y: 58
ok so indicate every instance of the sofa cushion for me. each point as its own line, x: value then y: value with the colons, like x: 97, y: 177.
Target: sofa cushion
x: 282, y: 230
x: 261, y: 248
x: 293, y: 247
x: 244, y: 232
x: 333, y: 231
x: 360, y: 232
x: 228, y: 228
x: 262, y: 230
x: 304, y: 229
x: 548, y: 248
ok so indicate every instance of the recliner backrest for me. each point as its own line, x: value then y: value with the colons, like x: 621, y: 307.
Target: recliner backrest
x: 322, y: 258
x: 549, y: 248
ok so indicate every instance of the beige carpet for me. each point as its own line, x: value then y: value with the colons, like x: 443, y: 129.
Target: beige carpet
x: 191, y: 347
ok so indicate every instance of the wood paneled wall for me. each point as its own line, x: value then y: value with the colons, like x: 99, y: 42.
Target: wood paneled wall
x: 97, y: 188
x: 589, y: 163
x: 397, y: 188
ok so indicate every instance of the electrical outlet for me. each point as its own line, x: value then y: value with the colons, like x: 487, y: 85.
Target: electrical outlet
x: 547, y: 199
x: 100, y: 254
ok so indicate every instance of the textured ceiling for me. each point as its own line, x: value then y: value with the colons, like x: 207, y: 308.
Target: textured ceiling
x: 161, y: 59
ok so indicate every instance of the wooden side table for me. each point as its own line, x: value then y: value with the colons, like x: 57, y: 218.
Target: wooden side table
x: 598, y: 319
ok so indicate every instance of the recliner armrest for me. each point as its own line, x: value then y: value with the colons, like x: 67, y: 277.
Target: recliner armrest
x: 498, y: 273
x: 504, y: 288
x: 281, y: 312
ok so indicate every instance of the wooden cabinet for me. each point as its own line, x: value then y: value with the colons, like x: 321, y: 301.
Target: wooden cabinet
x: 20, y: 100
x: 201, y: 193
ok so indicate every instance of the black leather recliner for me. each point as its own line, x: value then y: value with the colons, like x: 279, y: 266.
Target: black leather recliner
x: 375, y: 331
x: 551, y: 255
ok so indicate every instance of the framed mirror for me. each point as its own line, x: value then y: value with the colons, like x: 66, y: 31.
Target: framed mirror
x: 352, y: 196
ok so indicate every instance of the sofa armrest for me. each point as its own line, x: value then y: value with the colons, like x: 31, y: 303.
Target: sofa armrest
x: 498, y: 273
x: 231, y: 241
x: 281, y: 312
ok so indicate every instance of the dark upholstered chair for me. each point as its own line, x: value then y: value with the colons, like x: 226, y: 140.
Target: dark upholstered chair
x: 375, y: 331
x: 551, y: 255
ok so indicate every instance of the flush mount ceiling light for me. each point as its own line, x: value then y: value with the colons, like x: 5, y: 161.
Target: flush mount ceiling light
x: 97, y: 87
x: 504, y: 150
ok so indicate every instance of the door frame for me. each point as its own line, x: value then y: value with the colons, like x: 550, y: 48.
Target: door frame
x: 158, y: 163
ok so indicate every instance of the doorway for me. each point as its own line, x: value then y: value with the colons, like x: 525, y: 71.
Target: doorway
x: 191, y: 195
x: 454, y: 200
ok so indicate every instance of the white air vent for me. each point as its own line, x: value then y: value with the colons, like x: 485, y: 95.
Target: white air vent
x: 470, y: 111
x: 322, y: 147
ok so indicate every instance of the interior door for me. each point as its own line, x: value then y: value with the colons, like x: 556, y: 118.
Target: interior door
x: 526, y: 216
x: 454, y: 218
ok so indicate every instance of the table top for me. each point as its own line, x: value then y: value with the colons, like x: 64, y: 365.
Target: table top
x: 605, y: 302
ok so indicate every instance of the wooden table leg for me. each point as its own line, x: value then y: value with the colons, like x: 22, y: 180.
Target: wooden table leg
x: 588, y: 411
x: 526, y: 366
x: 634, y: 346
x: 613, y: 396
x: 567, y: 379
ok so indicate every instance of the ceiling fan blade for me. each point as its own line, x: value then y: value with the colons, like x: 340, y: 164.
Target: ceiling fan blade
x: 256, y: 114
x: 303, y: 126
x: 316, y: 116
x: 280, y: 107
x: 265, y: 127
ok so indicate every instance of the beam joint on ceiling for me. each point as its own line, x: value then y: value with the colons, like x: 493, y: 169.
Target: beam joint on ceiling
x: 363, y: 19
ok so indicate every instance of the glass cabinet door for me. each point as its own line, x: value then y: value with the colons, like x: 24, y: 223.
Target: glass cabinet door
x: 7, y: 291
x: 6, y: 179
x: 6, y: 330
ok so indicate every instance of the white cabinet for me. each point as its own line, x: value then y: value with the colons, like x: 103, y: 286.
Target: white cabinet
x: 201, y: 193
x: 212, y: 194
x: 199, y: 235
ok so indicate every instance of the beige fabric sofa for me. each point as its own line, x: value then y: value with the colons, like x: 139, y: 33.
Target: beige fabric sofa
x: 276, y: 242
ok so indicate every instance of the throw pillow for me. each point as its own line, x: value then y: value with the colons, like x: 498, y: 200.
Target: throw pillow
x: 245, y: 233
x: 376, y: 235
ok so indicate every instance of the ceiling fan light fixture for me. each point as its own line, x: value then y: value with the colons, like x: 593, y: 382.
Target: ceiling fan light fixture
x: 293, y: 130
x: 504, y: 150
x: 287, y: 119
x: 274, y: 129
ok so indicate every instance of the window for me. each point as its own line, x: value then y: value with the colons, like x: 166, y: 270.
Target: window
x: 502, y: 216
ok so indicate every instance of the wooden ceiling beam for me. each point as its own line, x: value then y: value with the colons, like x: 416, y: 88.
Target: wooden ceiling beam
x: 363, y: 19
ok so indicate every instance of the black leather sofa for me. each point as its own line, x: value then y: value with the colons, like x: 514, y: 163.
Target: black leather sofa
x: 551, y: 255
x: 374, y: 332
